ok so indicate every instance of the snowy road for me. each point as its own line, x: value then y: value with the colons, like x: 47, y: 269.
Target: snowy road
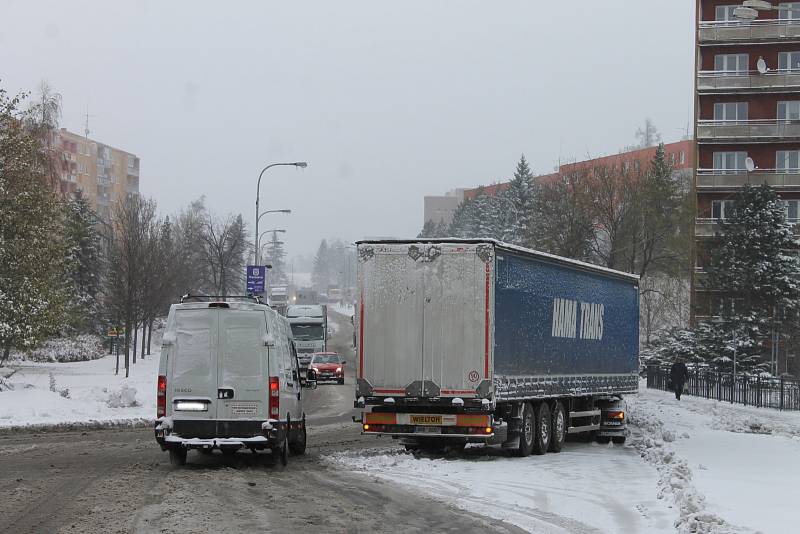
x: 690, y: 466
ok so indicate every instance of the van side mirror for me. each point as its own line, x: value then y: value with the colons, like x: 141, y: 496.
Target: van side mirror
x: 269, y: 340
x: 305, y: 383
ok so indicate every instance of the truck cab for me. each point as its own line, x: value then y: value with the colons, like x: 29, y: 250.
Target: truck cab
x: 309, y: 324
x: 228, y: 379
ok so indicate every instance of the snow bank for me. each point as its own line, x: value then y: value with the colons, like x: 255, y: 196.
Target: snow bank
x: 727, y: 468
x: 586, y: 488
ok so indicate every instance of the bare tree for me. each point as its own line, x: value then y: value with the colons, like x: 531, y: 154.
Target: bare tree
x: 561, y: 221
x: 132, y: 220
x: 225, y: 245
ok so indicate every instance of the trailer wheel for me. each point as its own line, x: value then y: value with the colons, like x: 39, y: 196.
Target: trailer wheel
x: 544, y: 431
x: 559, y: 427
x: 527, y: 430
x: 618, y: 440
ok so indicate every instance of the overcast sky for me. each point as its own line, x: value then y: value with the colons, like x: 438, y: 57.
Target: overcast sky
x: 387, y: 101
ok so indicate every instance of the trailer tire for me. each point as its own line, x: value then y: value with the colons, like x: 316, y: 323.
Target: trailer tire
x: 559, y: 427
x: 618, y: 440
x: 544, y: 429
x: 527, y: 430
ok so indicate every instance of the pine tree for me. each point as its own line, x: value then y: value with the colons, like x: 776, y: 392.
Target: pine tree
x: 321, y: 275
x: 754, y: 270
x: 428, y: 229
x: 82, y: 243
x: 518, y: 208
x: 31, y: 246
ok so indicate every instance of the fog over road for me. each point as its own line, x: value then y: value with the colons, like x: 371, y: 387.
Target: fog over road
x: 103, y: 481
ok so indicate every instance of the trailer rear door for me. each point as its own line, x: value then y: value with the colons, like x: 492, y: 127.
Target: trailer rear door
x: 425, y: 318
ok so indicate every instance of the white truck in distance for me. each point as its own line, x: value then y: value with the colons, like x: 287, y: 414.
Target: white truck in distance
x: 310, y: 330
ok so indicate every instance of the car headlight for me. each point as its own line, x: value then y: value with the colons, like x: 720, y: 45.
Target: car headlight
x: 338, y: 369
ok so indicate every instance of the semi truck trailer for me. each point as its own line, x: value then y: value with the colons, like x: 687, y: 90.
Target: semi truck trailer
x: 478, y: 341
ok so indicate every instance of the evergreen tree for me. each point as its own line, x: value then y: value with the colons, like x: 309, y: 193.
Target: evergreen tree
x: 321, y: 275
x: 83, y: 260
x: 519, y: 206
x: 441, y: 229
x: 464, y: 220
x: 275, y: 253
x: 754, y: 270
x: 31, y: 246
x: 428, y: 229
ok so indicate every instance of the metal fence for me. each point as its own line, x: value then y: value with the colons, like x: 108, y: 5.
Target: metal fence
x: 779, y: 393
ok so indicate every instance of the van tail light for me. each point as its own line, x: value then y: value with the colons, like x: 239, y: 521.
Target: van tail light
x: 274, y: 397
x: 161, y: 397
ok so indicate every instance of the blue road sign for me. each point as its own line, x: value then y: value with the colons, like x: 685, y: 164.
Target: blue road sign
x: 256, y: 279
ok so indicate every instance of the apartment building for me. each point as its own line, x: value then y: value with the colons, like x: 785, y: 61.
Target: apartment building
x: 103, y: 174
x: 747, y: 118
x: 679, y: 154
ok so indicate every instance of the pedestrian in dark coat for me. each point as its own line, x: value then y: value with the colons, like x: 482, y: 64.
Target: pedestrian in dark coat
x: 678, y: 375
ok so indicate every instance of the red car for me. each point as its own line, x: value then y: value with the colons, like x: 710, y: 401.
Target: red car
x: 326, y: 366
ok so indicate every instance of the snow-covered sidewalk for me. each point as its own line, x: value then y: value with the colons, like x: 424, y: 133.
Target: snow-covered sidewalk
x: 697, y: 466
x: 727, y: 467
x: 86, y: 393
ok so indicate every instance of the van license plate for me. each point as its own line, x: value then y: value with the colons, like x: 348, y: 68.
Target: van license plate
x: 244, y: 408
x: 426, y: 420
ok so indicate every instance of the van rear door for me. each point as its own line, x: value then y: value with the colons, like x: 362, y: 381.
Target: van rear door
x: 242, y: 366
x: 193, y: 376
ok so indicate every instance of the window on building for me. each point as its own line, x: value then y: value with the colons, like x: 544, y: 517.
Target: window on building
x: 683, y: 157
x: 734, y: 63
x: 721, y: 209
x: 792, y: 208
x: 789, y: 61
x: 789, y: 10
x: 725, y: 13
x: 787, y: 160
x: 730, y: 111
x: 131, y: 162
x: 637, y: 165
x: 730, y: 162
x: 789, y: 110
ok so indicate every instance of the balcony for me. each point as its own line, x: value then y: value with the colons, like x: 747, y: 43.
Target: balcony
x: 723, y: 179
x: 719, y: 32
x: 712, y: 228
x: 713, y: 81
x: 706, y: 227
x: 749, y: 130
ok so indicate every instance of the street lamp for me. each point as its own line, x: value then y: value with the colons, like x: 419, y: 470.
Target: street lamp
x: 287, y: 212
x: 277, y: 230
x: 298, y: 164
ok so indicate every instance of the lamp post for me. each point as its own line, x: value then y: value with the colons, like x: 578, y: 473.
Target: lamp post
x: 258, y: 236
x: 276, y: 230
x: 298, y: 164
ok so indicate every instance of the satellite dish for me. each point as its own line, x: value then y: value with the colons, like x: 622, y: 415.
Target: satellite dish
x: 749, y: 165
x: 761, y: 65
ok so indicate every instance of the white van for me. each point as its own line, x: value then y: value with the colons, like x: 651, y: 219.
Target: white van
x: 229, y: 379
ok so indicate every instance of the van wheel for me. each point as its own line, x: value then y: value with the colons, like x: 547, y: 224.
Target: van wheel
x: 297, y: 445
x: 177, y: 456
x: 284, y: 453
x: 526, y: 430
x: 559, y: 427
x: 544, y: 431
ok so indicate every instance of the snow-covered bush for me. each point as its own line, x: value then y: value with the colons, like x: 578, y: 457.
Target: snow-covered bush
x: 67, y: 349
x: 124, y: 398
